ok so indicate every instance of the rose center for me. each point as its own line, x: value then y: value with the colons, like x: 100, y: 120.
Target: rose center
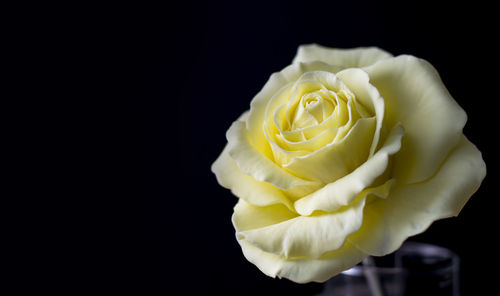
x: 314, y: 107
x: 312, y: 101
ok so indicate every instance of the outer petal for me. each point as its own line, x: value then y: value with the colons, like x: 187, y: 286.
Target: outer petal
x: 344, y: 190
x: 303, y: 270
x: 410, y: 209
x: 346, y: 58
x: 247, y: 216
x: 306, y: 236
x: 415, y: 96
x: 300, y: 270
x: 244, y: 186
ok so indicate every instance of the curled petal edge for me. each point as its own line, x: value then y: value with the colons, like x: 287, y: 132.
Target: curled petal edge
x: 253, y: 163
x: 346, y: 58
x: 343, y: 191
x: 303, y: 270
x: 411, y: 209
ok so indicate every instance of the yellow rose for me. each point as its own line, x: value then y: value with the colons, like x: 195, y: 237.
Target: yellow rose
x: 342, y: 155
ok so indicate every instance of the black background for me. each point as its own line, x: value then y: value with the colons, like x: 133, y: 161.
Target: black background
x: 200, y: 64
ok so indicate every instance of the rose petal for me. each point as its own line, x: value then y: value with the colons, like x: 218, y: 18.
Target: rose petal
x: 259, y: 103
x: 358, y: 82
x: 346, y: 58
x: 295, y: 112
x: 317, y: 142
x: 343, y: 191
x: 310, y: 236
x: 247, y: 216
x: 297, y: 139
x: 303, y: 270
x: 253, y: 163
x: 309, y: 82
x: 415, y: 96
x: 339, y: 158
x: 410, y: 209
x: 244, y: 186
x: 282, y: 156
x: 337, y: 118
x: 284, y: 152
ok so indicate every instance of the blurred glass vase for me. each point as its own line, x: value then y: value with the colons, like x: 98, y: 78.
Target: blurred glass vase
x: 414, y: 269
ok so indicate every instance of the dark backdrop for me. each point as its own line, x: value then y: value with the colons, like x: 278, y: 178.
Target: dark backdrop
x: 201, y: 64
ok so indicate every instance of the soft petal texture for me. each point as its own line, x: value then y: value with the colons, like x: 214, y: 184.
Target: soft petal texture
x: 251, y: 162
x: 259, y: 103
x: 358, y: 82
x: 343, y: 154
x: 244, y: 186
x: 344, y: 190
x: 337, y: 159
x: 410, y: 209
x: 310, y: 236
x: 415, y: 96
x: 303, y: 270
x: 336, y: 119
x: 248, y: 216
x: 276, y: 120
x: 312, y: 138
x: 346, y: 58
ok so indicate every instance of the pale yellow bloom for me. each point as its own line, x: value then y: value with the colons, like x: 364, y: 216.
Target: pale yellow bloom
x: 345, y: 154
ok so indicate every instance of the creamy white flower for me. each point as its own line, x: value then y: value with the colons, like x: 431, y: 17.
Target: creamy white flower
x: 345, y: 154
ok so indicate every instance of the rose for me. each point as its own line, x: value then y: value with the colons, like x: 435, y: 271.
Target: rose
x: 342, y: 155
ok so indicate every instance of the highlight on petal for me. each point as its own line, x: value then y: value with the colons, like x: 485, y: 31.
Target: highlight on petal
x: 410, y: 209
x: 301, y: 236
x: 415, y: 96
x: 346, y: 58
x: 343, y: 191
x: 303, y: 270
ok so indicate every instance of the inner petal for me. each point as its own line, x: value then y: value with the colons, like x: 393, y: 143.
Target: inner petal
x: 329, y: 107
x: 294, y: 104
x: 303, y: 117
x: 313, y: 104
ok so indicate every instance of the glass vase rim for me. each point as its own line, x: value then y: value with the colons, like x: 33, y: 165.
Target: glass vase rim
x: 423, y: 249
